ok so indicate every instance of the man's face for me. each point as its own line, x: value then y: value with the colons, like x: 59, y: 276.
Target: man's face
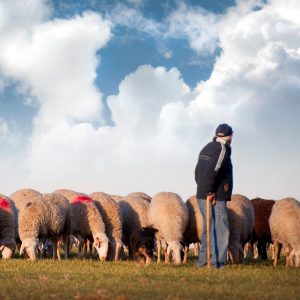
x: 229, y: 140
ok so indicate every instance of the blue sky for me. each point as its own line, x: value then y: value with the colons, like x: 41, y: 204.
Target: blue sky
x: 93, y: 93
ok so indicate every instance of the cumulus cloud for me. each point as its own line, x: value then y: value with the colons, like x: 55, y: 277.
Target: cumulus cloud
x: 57, y: 63
x: 160, y: 124
x: 254, y: 86
x: 54, y: 61
x: 121, y: 158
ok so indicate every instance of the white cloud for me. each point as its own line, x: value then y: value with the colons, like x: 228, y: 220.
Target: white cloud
x: 195, y: 24
x: 160, y: 124
x: 57, y: 63
x: 122, y: 15
x: 10, y: 135
x: 115, y: 158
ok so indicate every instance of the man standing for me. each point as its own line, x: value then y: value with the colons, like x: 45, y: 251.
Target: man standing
x: 213, y: 175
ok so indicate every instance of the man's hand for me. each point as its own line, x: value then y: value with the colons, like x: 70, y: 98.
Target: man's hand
x: 226, y: 187
x: 212, y: 198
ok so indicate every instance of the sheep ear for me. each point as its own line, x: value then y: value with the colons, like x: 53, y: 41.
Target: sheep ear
x: 22, y: 248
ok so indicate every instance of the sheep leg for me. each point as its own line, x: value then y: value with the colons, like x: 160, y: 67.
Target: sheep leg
x: 117, y: 250
x: 80, y: 246
x: 58, y: 254
x: 55, y: 249
x: 288, y: 256
x: 277, y: 248
x: 90, y: 244
x: 168, y: 254
x: 158, y: 250
x: 264, y: 254
x: 186, y: 252
x: 241, y: 254
x: 196, y: 249
x: 234, y: 252
x: 66, y: 240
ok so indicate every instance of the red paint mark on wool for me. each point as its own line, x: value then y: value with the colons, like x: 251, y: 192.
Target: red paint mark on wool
x: 82, y: 198
x: 4, y: 204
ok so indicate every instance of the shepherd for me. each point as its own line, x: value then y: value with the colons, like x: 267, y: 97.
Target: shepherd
x: 213, y: 175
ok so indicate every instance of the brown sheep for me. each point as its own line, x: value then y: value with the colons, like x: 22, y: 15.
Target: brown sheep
x: 261, y: 232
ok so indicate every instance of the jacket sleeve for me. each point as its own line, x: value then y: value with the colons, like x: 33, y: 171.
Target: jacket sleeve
x: 213, y: 167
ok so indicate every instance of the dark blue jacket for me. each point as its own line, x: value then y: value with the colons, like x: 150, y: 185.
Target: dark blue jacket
x: 213, y: 173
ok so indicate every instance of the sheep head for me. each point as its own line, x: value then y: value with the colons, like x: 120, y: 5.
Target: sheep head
x: 294, y: 258
x: 30, y: 246
x: 101, y: 244
x: 175, y: 249
x: 8, y: 247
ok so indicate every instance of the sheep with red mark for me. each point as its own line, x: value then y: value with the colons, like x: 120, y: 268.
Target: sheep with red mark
x: 87, y: 222
x: 285, y: 230
x: 169, y: 214
x: 7, y: 227
x: 241, y: 223
x: 261, y: 233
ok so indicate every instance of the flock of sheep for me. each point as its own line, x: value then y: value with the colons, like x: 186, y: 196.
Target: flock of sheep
x: 33, y: 223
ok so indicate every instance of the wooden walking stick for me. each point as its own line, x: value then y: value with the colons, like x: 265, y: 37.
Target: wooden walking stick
x: 210, y: 200
x: 208, y: 231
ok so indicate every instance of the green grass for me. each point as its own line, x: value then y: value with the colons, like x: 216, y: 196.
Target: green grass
x: 90, y: 279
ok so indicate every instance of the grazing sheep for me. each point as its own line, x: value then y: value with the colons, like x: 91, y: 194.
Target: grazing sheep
x: 20, y: 199
x: 194, y: 229
x: 7, y: 227
x: 241, y: 223
x: 139, y: 195
x: 285, y: 230
x: 117, y: 198
x: 87, y: 222
x: 69, y: 194
x: 169, y: 214
x: 261, y: 231
x: 134, y: 214
x: 142, y: 243
x: 45, y: 217
x: 111, y: 214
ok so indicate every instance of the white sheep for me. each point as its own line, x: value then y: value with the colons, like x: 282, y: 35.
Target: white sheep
x: 285, y: 229
x: 45, y: 217
x: 139, y: 195
x: 241, y: 223
x: 7, y: 227
x: 111, y: 215
x: 194, y: 229
x: 87, y: 222
x: 134, y: 214
x: 20, y: 199
x: 169, y: 214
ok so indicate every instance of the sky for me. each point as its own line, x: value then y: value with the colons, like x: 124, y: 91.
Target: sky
x: 120, y: 96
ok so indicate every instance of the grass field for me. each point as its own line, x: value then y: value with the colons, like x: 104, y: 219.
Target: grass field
x: 91, y: 279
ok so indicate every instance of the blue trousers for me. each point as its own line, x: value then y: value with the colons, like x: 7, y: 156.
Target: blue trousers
x: 219, y: 234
